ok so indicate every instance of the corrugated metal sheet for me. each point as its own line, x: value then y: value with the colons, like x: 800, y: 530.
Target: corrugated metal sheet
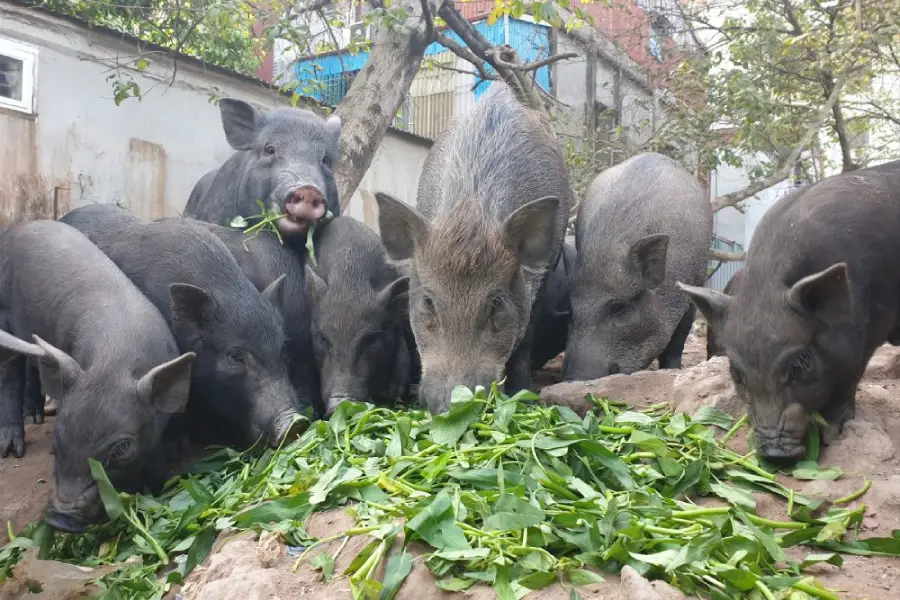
x: 433, y: 96
x: 726, y: 270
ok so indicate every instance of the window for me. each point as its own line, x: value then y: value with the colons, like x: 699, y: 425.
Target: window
x: 655, y: 43
x: 18, y: 76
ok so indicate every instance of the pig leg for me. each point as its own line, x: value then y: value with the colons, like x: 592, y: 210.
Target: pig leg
x: 518, y: 367
x: 397, y: 388
x: 671, y: 356
x: 12, y: 397
x: 838, y: 411
x: 34, y: 397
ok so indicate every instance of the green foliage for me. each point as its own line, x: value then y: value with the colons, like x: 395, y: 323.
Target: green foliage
x: 505, y: 492
x: 770, y: 69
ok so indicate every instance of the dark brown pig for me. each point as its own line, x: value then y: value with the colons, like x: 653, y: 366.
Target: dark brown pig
x: 820, y: 292
x: 491, y: 214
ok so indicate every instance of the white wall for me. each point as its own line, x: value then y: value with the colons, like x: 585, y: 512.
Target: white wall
x: 147, y: 155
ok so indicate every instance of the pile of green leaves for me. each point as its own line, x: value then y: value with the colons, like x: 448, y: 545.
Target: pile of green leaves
x: 504, y: 491
x: 268, y: 217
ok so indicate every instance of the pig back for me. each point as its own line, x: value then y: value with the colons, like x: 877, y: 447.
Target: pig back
x: 496, y: 157
x: 852, y: 218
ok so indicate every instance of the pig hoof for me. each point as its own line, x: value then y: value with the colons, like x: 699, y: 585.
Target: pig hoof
x: 35, y: 419
x: 12, y: 441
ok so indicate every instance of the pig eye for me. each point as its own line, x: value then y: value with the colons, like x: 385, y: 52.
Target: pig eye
x: 323, y: 341
x: 117, y: 452
x: 801, y: 367
x: 326, y: 160
x: 269, y: 149
x: 617, y: 308
x: 236, y: 357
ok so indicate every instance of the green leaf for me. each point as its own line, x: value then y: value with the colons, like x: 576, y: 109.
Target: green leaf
x: 511, y: 513
x: 711, y: 416
x: 108, y: 495
x: 291, y: 508
x: 398, y: 568
x: 447, y: 429
x: 454, y: 584
x: 583, y: 577
x: 199, y: 549
x: 323, y: 562
x: 736, y: 496
x: 435, y: 523
x: 808, y: 470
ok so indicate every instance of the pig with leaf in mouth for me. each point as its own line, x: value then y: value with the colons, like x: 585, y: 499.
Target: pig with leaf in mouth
x: 820, y: 292
x: 284, y: 161
x: 493, y: 204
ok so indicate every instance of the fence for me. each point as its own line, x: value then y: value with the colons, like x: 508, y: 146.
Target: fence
x: 721, y: 272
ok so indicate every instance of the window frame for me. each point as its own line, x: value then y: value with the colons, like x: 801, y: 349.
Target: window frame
x: 29, y: 57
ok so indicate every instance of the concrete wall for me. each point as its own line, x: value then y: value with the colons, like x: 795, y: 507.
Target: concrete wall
x: 395, y: 170
x: 81, y: 148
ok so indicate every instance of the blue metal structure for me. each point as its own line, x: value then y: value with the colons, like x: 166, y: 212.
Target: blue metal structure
x: 327, y: 78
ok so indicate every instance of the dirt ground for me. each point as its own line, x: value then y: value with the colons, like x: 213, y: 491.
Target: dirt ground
x: 247, y: 568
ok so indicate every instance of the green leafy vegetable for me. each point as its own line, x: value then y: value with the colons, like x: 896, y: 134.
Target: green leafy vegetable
x: 507, y: 493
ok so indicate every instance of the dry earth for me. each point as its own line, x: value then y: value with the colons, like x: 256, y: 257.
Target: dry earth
x: 244, y: 567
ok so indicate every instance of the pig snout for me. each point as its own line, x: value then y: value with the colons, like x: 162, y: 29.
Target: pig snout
x: 780, y: 438
x: 75, y: 515
x: 435, y: 390
x: 576, y: 368
x: 287, y: 428
x: 302, y: 206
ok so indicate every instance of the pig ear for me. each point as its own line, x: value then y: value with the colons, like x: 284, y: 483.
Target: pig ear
x: 402, y: 227
x: 315, y: 286
x: 193, y: 312
x: 274, y: 293
x: 531, y: 230
x: 712, y: 303
x: 395, y: 296
x: 11, y: 347
x: 58, y: 370
x: 648, y: 255
x: 333, y: 127
x: 240, y: 121
x: 166, y: 386
x: 824, y: 295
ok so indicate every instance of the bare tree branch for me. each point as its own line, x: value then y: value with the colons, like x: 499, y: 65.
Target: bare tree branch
x: 726, y: 256
x: 784, y: 170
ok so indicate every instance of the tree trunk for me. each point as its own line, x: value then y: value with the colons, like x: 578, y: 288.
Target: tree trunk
x: 377, y: 93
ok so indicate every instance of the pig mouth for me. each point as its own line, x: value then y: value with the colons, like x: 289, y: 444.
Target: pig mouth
x: 69, y: 521
x: 298, y: 215
x: 780, y: 450
x: 288, y: 427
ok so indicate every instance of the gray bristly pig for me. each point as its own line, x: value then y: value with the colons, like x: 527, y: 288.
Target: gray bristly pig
x: 493, y: 204
x: 820, y: 292
x: 240, y: 388
x: 263, y: 259
x: 283, y: 159
x: 359, y: 310
x: 642, y: 225
x: 714, y: 345
x: 103, y: 351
